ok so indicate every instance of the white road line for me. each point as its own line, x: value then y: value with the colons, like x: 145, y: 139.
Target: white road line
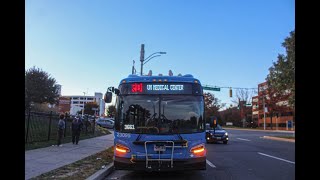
x: 243, y: 139
x: 276, y: 158
x: 210, y: 164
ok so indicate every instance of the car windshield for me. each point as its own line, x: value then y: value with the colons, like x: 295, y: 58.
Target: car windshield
x: 209, y: 127
x: 160, y: 114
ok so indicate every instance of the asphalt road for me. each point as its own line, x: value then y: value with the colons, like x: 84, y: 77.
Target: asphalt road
x: 247, y: 156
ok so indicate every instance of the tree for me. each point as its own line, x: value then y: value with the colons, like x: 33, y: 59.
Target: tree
x: 40, y: 87
x: 111, y: 110
x: 88, y: 108
x: 282, y: 74
x: 275, y: 101
x: 232, y: 114
x: 243, y: 97
x: 212, y: 105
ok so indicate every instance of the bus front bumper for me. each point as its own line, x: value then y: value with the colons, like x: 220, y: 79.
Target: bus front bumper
x: 121, y: 163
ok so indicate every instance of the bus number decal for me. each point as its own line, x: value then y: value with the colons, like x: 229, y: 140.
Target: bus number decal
x: 128, y: 126
x: 124, y: 135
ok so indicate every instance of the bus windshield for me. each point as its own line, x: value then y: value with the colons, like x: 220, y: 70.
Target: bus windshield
x: 160, y: 114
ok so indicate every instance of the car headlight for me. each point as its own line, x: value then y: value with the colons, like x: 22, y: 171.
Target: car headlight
x: 226, y: 134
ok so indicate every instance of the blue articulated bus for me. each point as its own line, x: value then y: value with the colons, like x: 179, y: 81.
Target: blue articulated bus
x: 159, y: 123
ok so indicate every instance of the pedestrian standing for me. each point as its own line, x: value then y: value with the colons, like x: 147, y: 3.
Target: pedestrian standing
x: 76, y: 129
x: 61, y: 127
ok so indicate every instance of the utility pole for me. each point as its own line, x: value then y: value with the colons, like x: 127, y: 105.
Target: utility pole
x: 264, y: 114
x: 142, y: 58
x: 84, y: 95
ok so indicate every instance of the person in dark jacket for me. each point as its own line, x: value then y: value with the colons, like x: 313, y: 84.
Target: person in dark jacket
x: 76, y: 128
x: 61, y: 127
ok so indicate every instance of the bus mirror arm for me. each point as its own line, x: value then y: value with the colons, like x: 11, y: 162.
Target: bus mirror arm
x: 116, y: 91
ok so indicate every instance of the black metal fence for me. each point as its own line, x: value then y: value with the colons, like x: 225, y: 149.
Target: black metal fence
x: 43, y: 126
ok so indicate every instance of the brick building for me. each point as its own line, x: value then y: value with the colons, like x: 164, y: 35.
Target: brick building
x: 255, y: 110
x: 281, y: 119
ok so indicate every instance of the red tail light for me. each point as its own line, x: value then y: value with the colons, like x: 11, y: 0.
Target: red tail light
x: 122, y: 148
x: 198, y: 149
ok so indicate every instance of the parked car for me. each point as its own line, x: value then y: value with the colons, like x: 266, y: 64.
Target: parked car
x: 215, y: 134
x: 105, y: 122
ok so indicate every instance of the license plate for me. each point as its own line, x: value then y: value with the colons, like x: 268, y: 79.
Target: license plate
x: 218, y: 137
x: 159, y: 148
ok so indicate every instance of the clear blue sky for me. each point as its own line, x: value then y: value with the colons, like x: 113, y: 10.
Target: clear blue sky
x: 88, y: 46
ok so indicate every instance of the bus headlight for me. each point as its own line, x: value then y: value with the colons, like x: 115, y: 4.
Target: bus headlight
x: 122, y: 149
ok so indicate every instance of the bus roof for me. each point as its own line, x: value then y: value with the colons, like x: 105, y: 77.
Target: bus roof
x: 135, y: 78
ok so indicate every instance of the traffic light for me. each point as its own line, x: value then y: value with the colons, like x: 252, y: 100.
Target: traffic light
x: 230, y: 92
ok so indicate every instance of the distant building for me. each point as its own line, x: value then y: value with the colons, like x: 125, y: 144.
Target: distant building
x: 59, y: 89
x: 255, y: 110
x: 77, y: 102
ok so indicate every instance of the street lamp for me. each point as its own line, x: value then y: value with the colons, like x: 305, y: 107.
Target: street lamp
x: 84, y: 94
x: 153, y: 55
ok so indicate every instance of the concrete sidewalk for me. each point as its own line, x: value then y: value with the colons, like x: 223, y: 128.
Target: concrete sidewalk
x: 43, y: 160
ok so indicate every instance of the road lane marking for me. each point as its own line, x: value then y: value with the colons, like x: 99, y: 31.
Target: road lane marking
x: 243, y: 139
x: 210, y: 164
x: 276, y: 158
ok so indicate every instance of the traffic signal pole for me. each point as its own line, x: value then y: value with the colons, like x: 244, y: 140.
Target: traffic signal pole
x: 142, y: 58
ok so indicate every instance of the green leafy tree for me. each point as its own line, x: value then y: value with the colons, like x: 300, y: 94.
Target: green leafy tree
x: 111, y: 110
x: 282, y: 74
x: 40, y: 87
x: 88, y: 108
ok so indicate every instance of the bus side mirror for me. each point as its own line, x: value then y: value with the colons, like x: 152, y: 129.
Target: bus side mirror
x: 108, y: 97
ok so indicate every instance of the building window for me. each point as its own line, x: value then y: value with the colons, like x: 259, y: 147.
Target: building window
x: 282, y: 125
x: 75, y: 102
x: 75, y: 98
x: 286, y: 114
x: 90, y: 99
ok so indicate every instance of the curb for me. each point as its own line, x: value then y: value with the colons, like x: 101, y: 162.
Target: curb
x: 102, y: 173
x: 261, y: 130
x: 279, y: 139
